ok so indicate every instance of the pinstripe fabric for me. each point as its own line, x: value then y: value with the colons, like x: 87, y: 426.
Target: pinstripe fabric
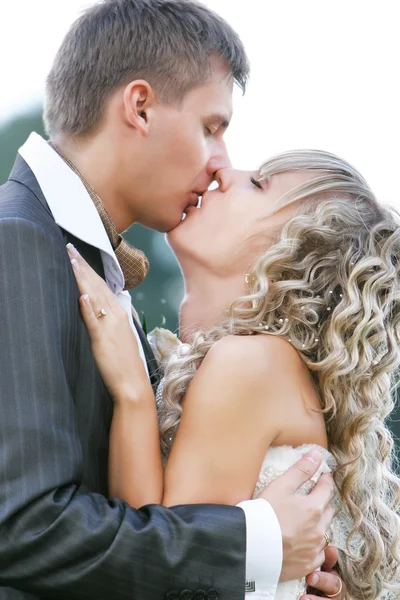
x: 59, y: 535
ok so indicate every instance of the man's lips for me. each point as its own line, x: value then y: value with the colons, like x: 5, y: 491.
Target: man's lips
x: 194, y: 200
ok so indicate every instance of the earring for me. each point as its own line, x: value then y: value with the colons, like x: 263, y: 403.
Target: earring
x: 247, y: 278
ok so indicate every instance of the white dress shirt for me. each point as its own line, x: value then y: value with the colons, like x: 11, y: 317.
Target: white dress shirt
x: 73, y: 210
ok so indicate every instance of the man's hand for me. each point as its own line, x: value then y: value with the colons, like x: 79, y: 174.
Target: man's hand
x: 327, y: 581
x: 304, y: 519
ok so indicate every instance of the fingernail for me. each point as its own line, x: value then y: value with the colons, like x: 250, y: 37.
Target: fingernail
x: 74, y: 264
x: 72, y: 250
x: 85, y: 298
x: 314, y: 456
x: 314, y: 579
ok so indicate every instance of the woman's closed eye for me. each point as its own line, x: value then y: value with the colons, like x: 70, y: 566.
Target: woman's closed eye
x: 256, y: 183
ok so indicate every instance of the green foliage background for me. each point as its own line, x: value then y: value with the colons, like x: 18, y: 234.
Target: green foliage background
x: 159, y: 295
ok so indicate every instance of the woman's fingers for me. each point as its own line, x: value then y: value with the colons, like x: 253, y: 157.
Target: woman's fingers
x: 89, y: 316
x: 86, y: 277
x: 85, y: 288
x: 114, y: 344
x: 90, y: 283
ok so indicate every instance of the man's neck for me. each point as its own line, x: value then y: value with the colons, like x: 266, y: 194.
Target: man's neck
x: 99, y: 168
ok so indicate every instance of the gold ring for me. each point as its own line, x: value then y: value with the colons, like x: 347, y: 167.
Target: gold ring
x: 338, y: 592
x: 102, y: 313
x: 327, y: 539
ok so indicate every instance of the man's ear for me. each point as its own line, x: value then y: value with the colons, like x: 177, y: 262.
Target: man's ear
x: 138, y: 103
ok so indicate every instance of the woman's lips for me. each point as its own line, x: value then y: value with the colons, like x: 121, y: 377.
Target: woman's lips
x: 194, y: 199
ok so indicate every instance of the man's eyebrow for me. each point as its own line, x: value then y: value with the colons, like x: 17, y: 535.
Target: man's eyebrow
x: 221, y: 118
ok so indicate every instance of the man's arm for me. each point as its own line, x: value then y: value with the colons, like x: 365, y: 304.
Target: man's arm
x: 56, y: 539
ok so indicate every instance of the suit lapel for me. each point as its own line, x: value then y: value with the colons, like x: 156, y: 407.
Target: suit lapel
x: 22, y: 173
x: 152, y: 364
x: 93, y: 257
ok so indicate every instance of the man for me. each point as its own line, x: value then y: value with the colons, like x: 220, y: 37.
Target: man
x: 137, y: 102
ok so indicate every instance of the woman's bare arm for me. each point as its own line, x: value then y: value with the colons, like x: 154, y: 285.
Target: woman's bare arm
x: 231, y: 416
x: 135, y: 471
x: 135, y: 468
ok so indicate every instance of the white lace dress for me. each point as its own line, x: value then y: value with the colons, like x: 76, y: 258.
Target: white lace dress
x: 277, y: 460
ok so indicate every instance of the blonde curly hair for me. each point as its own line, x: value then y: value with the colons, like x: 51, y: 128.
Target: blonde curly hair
x: 330, y: 284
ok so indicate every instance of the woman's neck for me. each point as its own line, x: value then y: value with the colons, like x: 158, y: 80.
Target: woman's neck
x: 206, y: 297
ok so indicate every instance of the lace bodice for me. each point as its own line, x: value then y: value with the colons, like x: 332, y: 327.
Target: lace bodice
x: 277, y: 460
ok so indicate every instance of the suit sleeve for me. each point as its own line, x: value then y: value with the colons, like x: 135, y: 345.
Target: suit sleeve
x: 56, y: 538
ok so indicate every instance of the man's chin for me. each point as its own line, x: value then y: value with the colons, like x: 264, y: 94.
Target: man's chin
x: 172, y: 236
x: 166, y: 225
x: 175, y: 225
x: 160, y: 225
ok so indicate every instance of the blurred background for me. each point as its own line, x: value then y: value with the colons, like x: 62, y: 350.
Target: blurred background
x: 323, y: 76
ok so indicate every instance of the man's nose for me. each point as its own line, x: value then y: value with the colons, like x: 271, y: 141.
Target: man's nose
x: 218, y: 160
x: 224, y: 178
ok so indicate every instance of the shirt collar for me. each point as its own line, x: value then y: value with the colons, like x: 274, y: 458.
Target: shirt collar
x: 70, y: 203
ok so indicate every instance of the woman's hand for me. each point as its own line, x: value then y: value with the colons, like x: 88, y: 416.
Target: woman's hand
x: 135, y: 468
x: 114, y: 344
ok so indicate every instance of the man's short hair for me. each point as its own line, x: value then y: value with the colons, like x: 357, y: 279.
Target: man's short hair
x: 169, y: 43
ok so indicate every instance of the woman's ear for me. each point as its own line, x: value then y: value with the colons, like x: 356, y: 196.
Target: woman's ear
x: 138, y: 103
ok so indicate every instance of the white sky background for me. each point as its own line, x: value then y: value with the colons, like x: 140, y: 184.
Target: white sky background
x: 324, y: 75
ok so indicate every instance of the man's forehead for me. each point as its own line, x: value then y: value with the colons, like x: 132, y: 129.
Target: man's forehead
x: 214, y: 99
x: 217, y: 88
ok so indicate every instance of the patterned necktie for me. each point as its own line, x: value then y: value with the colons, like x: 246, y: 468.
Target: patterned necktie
x: 133, y: 262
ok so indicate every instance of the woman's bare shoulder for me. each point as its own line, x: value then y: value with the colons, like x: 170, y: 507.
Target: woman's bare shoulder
x: 265, y: 377
x: 259, y: 359
x: 254, y: 352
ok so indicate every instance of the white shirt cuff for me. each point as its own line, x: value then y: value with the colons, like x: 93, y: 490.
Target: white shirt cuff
x: 263, y: 549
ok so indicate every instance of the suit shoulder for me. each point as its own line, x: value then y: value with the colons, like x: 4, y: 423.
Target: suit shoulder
x: 19, y: 202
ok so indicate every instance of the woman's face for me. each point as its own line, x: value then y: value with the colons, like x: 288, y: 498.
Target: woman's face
x: 236, y: 221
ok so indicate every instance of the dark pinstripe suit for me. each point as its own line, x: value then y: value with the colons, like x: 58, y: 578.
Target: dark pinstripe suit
x: 59, y: 535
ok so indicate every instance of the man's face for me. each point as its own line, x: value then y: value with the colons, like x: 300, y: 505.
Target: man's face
x: 183, y: 151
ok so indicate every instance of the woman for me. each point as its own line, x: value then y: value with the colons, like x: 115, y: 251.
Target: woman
x: 291, y: 320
